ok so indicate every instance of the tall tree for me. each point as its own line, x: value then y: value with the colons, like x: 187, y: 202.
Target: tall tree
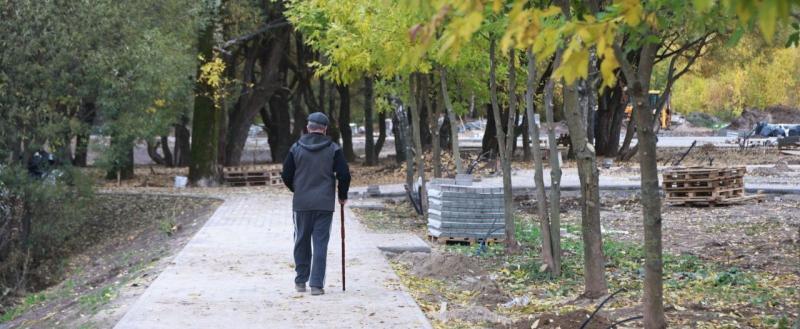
x: 371, y: 158
x: 505, y: 140
x: 344, y: 122
x: 574, y: 111
x: 434, y: 111
x: 552, y: 259
x: 203, y: 170
x: 451, y: 115
x: 414, y: 82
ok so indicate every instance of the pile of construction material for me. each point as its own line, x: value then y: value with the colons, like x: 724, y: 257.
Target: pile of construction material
x: 463, y: 213
x: 263, y: 175
x: 705, y: 186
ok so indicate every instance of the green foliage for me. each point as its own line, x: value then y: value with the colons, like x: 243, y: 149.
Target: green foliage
x: 92, y: 301
x: 740, y: 78
x: 130, y: 59
x: 27, y: 303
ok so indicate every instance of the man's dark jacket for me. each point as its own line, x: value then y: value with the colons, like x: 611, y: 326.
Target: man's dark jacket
x: 310, y: 170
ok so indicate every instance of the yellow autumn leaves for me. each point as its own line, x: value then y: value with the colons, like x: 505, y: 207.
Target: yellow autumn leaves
x: 211, y: 74
x: 544, y: 30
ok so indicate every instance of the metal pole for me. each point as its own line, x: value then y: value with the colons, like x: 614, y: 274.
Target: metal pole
x: 343, y: 277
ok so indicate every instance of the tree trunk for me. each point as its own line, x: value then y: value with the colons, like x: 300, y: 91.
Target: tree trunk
x: 400, y: 140
x: 625, y: 149
x: 344, y: 122
x: 526, y: 137
x: 371, y: 158
x: 433, y: 109
x: 639, y: 77
x: 423, y: 108
x: 451, y: 115
x: 594, y: 268
x: 205, y: 126
x: 489, y: 140
x: 298, y: 115
x: 503, y: 142
x: 592, y: 84
x: 555, y: 171
x: 610, y: 112
x: 86, y: 115
x: 182, y: 148
x: 321, y: 94
x: 415, y: 129
x: 333, y: 126
x: 269, y: 55
x: 381, y: 135
x: 152, y: 152
x: 122, y: 167
x: 403, y: 137
x: 651, y: 209
x: 168, y: 159
x: 278, y: 126
x: 538, y: 177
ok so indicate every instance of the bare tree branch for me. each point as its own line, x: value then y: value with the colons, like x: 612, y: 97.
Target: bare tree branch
x: 247, y: 37
x: 625, y: 65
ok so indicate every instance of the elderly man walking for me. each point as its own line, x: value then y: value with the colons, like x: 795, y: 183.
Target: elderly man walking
x: 310, y: 170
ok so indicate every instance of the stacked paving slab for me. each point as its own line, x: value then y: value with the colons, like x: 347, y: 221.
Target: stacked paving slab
x: 465, y: 213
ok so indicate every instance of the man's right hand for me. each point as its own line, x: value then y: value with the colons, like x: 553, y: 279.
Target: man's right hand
x: 342, y: 202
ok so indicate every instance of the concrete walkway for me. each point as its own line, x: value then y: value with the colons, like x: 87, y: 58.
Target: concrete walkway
x: 523, y: 183
x: 237, y: 272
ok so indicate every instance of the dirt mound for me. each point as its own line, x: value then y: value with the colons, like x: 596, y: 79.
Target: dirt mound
x: 566, y: 320
x: 474, y: 314
x: 780, y: 168
x: 776, y: 114
x: 440, y: 265
x: 489, y: 293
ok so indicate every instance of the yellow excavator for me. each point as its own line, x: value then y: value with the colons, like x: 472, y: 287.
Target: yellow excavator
x: 665, y: 115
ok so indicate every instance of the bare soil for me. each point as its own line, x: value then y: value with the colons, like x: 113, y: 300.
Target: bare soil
x: 442, y: 265
x: 776, y: 114
x: 133, y: 238
x: 755, y: 235
x: 567, y: 320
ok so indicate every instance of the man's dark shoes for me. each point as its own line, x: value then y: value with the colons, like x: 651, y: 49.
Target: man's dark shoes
x: 317, y: 291
x: 300, y: 287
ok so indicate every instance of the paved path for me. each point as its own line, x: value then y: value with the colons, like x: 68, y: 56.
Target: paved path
x: 237, y: 272
x: 522, y: 182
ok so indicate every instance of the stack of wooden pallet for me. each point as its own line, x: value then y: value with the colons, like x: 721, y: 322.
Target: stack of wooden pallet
x: 252, y: 175
x: 789, y: 145
x: 705, y: 186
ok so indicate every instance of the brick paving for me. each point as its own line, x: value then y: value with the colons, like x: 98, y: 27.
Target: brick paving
x: 237, y: 272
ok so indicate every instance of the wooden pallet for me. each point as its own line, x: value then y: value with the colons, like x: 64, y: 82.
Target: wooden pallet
x: 248, y: 183
x: 789, y: 143
x: 702, y: 184
x: 696, y: 174
x: 705, y: 186
x: 721, y: 202
x: 714, y: 193
x: 461, y: 240
x: 255, y: 168
x: 252, y: 175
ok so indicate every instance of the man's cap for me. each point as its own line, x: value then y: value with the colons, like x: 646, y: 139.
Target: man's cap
x: 318, y: 118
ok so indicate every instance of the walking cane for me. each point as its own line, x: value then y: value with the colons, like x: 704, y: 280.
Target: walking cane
x: 342, y: 212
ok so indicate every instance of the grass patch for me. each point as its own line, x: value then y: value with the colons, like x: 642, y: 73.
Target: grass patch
x: 28, y: 302
x: 94, y: 300
x: 763, y: 298
x: 393, y: 218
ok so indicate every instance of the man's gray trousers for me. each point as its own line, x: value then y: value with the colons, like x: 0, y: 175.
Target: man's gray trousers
x: 311, y: 228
